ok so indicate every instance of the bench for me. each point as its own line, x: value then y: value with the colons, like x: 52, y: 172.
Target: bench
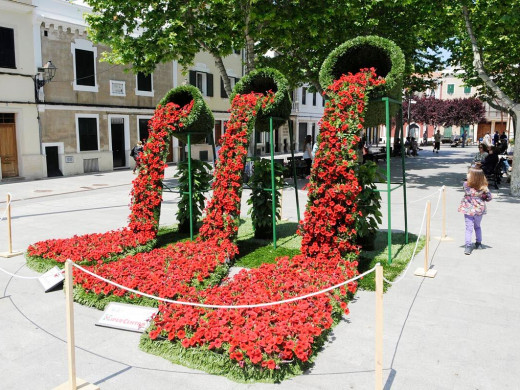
x: 374, y: 153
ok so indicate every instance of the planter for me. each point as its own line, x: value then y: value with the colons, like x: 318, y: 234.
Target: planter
x: 261, y: 81
x: 367, y: 52
x: 200, y: 121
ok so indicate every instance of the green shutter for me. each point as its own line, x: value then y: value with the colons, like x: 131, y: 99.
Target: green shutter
x: 193, y: 78
x: 467, y: 89
x: 447, y: 131
x: 209, y: 86
x: 451, y: 88
x: 223, y: 93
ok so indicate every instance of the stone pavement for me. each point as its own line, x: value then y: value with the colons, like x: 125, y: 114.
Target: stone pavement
x: 456, y: 331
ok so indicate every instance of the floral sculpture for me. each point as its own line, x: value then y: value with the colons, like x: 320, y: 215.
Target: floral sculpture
x: 260, y: 343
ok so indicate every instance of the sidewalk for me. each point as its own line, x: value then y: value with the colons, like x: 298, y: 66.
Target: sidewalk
x: 456, y: 331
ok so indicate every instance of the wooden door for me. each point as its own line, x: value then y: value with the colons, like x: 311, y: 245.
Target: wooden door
x: 482, y: 129
x: 8, y: 152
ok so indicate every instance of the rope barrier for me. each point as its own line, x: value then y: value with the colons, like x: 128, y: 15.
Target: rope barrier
x: 19, y: 276
x: 7, y: 206
x: 418, y: 200
x: 221, y: 306
x: 413, y: 254
x: 438, y: 201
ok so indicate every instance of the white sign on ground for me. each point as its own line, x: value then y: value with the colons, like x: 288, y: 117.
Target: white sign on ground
x: 127, y: 317
x: 51, y: 278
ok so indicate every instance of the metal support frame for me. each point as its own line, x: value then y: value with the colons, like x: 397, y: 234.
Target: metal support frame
x: 389, y: 188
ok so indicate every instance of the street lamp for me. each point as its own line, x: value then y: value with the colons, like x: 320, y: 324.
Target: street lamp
x: 410, y: 102
x: 48, y: 71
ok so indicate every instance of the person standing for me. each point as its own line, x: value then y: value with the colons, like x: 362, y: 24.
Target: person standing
x: 487, y: 141
x: 496, y: 137
x: 473, y: 206
x: 437, y: 141
x: 307, y: 154
x: 136, y: 153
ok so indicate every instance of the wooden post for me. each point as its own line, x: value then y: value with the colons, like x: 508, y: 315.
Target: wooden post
x: 10, y: 253
x: 71, y: 352
x: 379, y: 328
x: 9, y: 232
x: 425, y: 271
x: 73, y: 382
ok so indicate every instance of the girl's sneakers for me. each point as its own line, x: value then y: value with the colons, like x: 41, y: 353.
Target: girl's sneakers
x: 467, y: 249
x: 478, y: 245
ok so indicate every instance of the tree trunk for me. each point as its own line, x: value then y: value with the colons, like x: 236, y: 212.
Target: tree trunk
x: 219, y: 63
x: 515, y: 174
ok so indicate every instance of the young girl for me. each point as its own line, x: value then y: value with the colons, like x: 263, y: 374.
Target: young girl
x: 473, y: 206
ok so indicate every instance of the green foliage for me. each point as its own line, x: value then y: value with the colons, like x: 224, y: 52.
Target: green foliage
x: 261, y: 197
x: 201, y: 179
x: 367, y: 52
x: 401, y: 256
x: 265, y: 254
x: 261, y: 81
x: 369, y: 200
x: 200, y: 121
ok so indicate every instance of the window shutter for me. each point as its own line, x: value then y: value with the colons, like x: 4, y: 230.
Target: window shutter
x: 7, y: 59
x: 223, y: 93
x: 467, y: 89
x: 209, y: 85
x: 193, y: 78
x: 85, y: 71
x: 451, y: 88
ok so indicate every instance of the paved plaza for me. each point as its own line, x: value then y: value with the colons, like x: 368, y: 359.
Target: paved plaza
x: 456, y: 331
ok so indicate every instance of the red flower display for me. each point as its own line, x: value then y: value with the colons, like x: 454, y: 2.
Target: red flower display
x: 263, y: 337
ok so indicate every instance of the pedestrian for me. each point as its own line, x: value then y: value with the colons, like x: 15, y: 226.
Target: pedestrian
x: 136, y: 153
x: 496, y: 137
x: 473, y: 206
x: 487, y: 140
x: 407, y: 145
x: 437, y: 141
x: 307, y: 154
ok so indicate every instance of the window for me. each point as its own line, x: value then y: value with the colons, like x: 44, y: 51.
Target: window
x: 467, y: 90
x: 451, y: 89
x: 143, y: 128
x: 323, y: 101
x: 144, y: 84
x: 84, y: 62
x: 87, y: 133
x: 203, y: 81
x: 314, y: 98
x: 232, y: 80
x: 6, y: 118
x: 304, y: 95
x: 117, y: 88
x: 7, y: 59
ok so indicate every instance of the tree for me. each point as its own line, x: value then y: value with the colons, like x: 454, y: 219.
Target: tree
x: 485, y: 44
x: 462, y: 112
x: 427, y: 110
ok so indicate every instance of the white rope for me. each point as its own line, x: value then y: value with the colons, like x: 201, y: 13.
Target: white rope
x: 413, y: 254
x: 417, y: 200
x: 438, y: 201
x: 7, y: 206
x: 18, y: 276
x: 221, y: 306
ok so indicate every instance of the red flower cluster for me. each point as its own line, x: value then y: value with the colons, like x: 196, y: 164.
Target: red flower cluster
x: 145, y: 208
x: 147, y: 186
x: 166, y: 272
x: 333, y: 187
x: 223, y: 210
x: 90, y: 248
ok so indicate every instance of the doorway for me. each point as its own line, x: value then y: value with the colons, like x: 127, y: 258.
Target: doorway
x: 117, y: 129
x: 53, y: 162
x: 8, y: 150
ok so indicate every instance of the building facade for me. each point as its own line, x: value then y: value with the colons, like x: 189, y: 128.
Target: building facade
x: 20, y: 147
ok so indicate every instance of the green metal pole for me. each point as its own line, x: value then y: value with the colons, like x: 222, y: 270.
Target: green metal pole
x: 273, y: 188
x: 388, y: 177
x: 403, y: 166
x: 190, y: 189
x: 291, y: 136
